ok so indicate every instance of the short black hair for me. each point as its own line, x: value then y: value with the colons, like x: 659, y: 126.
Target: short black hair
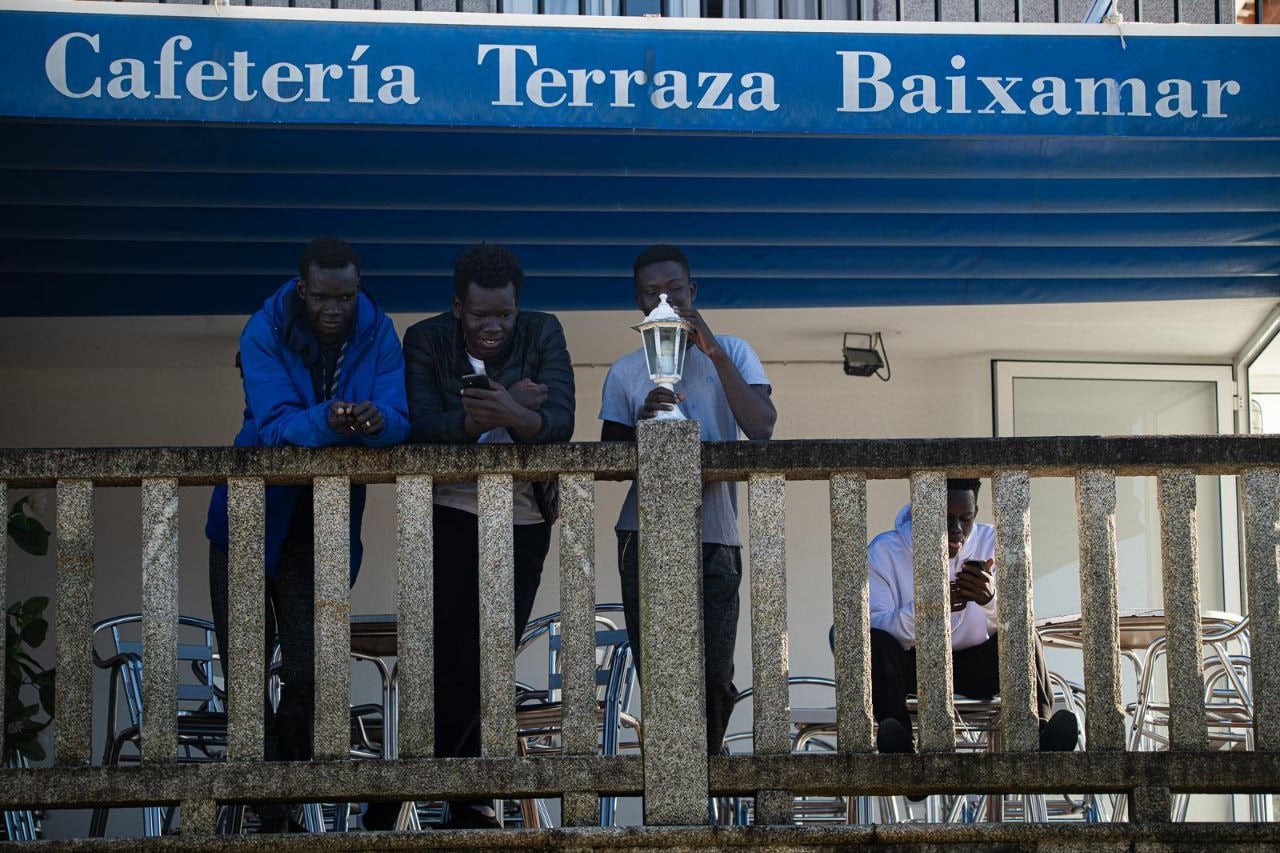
x: 328, y: 253
x: 661, y: 253
x: 964, y: 484
x: 488, y: 266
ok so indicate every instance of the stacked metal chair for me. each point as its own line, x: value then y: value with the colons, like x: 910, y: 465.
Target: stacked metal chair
x: 202, y: 719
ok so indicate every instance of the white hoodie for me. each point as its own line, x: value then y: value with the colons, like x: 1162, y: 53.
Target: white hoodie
x: 893, y: 592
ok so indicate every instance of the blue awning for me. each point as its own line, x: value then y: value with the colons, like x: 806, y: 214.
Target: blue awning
x: 109, y: 217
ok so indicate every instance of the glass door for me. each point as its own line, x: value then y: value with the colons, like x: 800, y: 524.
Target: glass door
x: 1079, y: 398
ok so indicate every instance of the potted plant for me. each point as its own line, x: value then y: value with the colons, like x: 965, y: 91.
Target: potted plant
x: 25, y: 631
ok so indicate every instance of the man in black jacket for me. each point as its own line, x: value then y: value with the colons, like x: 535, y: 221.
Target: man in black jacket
x: 529, y: 399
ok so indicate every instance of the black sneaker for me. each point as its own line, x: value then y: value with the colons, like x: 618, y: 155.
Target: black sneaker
x: 893, y: 737
x: 471, y: 817
x: 380, y: 815
x: 274, y: 819
x: 1060, y: 733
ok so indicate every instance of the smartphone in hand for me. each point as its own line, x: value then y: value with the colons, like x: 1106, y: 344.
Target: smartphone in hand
x: 476, y: 380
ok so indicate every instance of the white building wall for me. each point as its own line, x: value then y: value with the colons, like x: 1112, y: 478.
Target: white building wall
x: 195, y: 398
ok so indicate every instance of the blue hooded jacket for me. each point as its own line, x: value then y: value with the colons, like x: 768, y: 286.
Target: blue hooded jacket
x: 281, y: 407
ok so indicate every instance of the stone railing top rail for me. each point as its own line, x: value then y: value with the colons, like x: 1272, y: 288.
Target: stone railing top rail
x: 799, y: 459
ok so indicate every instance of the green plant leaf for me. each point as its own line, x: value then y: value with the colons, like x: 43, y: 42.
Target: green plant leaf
x: 34, y: 632
x: 28, y: 533
x: 35, y: 605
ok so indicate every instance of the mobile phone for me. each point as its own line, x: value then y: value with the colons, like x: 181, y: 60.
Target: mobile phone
x: 975, y: 564
x: 476, y: 380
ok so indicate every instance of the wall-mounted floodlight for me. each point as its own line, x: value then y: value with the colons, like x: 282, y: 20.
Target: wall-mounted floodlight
x: 868, y: 360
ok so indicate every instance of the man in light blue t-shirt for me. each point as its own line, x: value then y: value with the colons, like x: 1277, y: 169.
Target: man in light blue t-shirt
x: 725, y: 389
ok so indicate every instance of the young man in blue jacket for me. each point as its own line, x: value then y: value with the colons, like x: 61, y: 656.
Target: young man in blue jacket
x: 322, y: 366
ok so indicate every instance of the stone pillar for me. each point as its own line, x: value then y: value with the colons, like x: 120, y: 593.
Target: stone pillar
x: 1181, y: 570
x: 159, y: 620
x: 245, y: 668
x: 933, y: 611
x: 199, y: 817
x: 73, y: 725
x: 4, y: 576
x: 332, y: 733
x: 414, y: 622
x: 1019, y: 726
x: 852, y: 614
x: 669, y: 461
x: 497, y: 616
x: 1262, y: 562
x: 578, y: 636
x: 771, y: 701
x: 1096, y: 516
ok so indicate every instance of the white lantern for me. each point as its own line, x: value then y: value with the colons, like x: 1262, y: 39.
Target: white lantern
x: 664, y: 335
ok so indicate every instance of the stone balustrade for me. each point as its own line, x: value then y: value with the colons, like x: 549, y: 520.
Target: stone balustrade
x: 674, y: 775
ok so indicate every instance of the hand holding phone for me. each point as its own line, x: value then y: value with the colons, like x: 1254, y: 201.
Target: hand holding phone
x: 477, y: 381
x: 974, y: 582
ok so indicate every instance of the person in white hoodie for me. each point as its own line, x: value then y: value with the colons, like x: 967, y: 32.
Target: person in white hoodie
x: 974, y: 649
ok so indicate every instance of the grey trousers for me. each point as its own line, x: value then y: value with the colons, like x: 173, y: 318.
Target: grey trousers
x: 721, y: 578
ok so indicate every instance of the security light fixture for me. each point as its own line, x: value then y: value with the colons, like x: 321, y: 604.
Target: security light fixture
x: 866, y: 360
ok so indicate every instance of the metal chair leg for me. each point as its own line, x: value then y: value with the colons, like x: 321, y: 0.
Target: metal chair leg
x: 408, y: 817
x: 231, y: 820
x: 313, y: 817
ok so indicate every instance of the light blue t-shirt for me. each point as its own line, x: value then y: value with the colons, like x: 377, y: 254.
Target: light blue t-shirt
x: 627, y: 386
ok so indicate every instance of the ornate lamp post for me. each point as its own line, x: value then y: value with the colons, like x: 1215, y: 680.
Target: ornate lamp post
x: 664, y: 335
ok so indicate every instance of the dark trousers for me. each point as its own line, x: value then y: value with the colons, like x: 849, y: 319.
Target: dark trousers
x: 456, y: 633
x: 456, y: 584
x: 721, y: 577
x: 290, y: 602
x: 975, y: 673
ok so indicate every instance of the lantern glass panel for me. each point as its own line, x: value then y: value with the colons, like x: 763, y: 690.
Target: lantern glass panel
x: 668, y: 352
x: 650, y: 338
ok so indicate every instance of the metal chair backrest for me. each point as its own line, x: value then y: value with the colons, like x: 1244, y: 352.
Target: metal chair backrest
x: 615, y: 665
x: 196, y: 692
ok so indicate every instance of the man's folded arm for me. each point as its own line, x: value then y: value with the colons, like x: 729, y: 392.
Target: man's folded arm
x: 555, y: 370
